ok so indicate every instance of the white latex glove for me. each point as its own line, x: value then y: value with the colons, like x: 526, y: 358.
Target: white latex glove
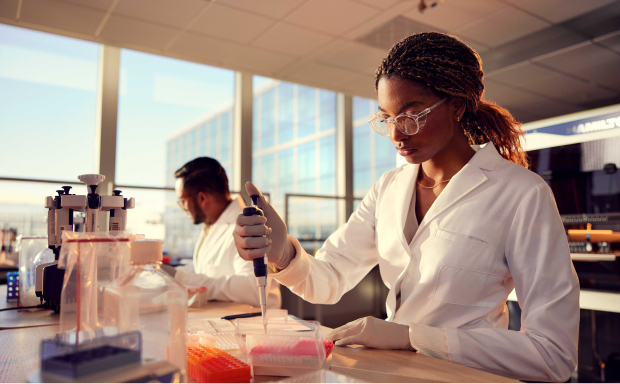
x: 253, y: 237
x: 372, y: 332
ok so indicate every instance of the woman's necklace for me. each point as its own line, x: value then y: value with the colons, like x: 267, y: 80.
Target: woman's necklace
x: 441, y: 182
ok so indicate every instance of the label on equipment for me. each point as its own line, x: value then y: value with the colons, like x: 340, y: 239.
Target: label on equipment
x: 115, y: 226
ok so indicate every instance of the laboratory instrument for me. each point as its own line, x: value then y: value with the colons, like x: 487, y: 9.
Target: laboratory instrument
x: 260, y: 264
x: 148, y: 300
x: 60, y: 219
x: 116, y: 359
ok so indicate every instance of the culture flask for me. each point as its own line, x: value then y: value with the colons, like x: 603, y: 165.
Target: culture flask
x: 148, y: 300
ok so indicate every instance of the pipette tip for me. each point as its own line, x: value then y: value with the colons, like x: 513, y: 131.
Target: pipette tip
x: 264, y: 310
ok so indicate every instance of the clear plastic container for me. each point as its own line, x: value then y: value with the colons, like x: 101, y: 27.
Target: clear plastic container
x: 33, y: 250
x: 91, y: 261
x: 147, y: 299
x: 288, y: 347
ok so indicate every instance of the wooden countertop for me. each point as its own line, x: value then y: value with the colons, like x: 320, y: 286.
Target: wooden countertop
x: 19, y: 355
x: 375, y: 365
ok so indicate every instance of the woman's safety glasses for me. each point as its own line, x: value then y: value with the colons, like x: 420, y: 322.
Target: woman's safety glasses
x: 406, y: 123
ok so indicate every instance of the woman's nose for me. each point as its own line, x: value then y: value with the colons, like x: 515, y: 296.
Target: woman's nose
x: 396, y: 135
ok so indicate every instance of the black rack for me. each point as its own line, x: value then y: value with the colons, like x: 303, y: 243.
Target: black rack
x: 593, y: 218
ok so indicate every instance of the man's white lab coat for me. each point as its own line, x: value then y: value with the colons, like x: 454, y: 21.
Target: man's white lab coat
x: 493, y: 228
x: 218, y: 267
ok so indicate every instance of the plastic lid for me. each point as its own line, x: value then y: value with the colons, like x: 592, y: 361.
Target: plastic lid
x: 91, y: 179
x: 146, y: 251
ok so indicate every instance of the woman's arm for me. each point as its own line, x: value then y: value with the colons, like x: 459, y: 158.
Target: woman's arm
x: 343, y: 261
x: 545, y: 349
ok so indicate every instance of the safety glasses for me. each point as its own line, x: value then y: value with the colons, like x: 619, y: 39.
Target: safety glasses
x: 408, y: 124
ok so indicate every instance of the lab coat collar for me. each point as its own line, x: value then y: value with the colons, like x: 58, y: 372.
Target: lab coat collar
x: 465, y: 181
x: 470, y: 177
x: 228, y: 216
x: 486, y: 156
x: 232, y: 211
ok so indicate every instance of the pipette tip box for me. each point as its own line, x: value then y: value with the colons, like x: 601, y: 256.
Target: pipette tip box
x: 207, y: 364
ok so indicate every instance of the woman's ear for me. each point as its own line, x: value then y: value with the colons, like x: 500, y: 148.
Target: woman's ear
x: 459, y: 108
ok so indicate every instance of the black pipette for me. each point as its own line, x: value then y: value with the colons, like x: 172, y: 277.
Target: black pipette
x: 260, y: 264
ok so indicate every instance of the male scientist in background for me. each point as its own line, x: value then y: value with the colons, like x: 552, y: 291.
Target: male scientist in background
x: 202, y: 189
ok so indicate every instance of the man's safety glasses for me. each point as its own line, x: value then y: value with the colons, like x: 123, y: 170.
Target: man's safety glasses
x: 183, y: 202
x: 406, y: 123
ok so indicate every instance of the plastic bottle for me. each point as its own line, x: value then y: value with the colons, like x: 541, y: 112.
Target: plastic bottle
x: 150, y: 301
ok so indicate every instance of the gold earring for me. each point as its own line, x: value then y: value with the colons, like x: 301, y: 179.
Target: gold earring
x: 458, y: 118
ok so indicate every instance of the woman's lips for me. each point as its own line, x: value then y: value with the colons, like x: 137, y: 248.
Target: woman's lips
x: 406, y: 151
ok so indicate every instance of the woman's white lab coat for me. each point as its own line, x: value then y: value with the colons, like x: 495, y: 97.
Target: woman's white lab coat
x: 493, y: 228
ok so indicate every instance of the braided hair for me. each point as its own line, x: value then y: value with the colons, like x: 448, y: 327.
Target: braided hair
x: 449, y: 67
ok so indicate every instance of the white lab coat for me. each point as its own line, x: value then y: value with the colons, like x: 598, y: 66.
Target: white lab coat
x: 218, y: 267
x: 493, y: 228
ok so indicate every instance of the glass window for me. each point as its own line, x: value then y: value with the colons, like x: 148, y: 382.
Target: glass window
x: 163, y: 100
x: 22, y: 205
x: 170, y: 112
x: 307, y: 114
x: 213, y: 138
x: 203, y: 140
x: 286, y: 112
x: 306, y: 167
x: 267, y: 119
x: 328, y: 109
x: 361, y: 160
x: 225, y: 131
x: 193, y: 145
x: 305, y: 156
x: 48, y: 99
x: 327, y: 156
x: 373, y: 154
x: 286, y: 174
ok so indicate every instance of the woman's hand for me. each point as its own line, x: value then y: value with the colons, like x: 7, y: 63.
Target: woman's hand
x: 256, y: 236
x: 372, y: 332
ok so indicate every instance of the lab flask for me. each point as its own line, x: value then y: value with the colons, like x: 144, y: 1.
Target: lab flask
x: 148, y: 300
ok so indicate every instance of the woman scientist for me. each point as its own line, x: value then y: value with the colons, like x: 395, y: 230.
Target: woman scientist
x: 453, y: 231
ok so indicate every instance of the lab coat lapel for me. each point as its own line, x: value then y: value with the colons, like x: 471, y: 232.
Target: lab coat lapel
x: 405, y: 183
x: 465, y: 181
x: 468, y: 179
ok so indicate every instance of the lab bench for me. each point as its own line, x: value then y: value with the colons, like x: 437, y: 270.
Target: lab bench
x: 20, y: 340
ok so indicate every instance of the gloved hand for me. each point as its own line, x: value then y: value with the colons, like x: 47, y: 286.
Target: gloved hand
x: 372, y: 332
x: 253, y: 237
